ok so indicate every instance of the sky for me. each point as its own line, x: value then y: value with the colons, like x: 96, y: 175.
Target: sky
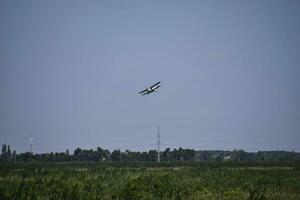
x: 70, y: 73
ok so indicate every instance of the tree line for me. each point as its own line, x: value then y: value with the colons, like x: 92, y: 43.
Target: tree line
x: 167, y: 155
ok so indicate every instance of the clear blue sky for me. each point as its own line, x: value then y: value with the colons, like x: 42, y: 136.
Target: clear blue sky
x: 70, y: 73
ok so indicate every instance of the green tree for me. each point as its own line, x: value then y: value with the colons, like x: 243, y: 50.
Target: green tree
x: 102, y: 154
x: 15, y: 156
x: 8, y: 153
x: 77, y: 152
x: 4, y: 151
x: 166, y: 155
x: 116, y: 155
x: 152, y: 155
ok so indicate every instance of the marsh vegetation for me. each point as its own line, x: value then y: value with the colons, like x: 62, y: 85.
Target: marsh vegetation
x: 149, y: 181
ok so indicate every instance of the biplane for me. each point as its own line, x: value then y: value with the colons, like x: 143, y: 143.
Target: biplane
x: 149, y: 90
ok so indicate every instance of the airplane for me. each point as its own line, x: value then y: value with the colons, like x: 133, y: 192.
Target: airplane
x: 149, y: 90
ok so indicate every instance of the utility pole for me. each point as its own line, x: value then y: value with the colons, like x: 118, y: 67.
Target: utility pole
x: 158, y: 144
x: 31, y: 142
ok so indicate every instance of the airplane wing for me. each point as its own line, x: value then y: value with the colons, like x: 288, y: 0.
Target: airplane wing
x: 155, y: 84
x: 141, y: 92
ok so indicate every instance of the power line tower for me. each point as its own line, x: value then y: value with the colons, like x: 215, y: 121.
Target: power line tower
x: 31, y: 142
x: 158, y: 144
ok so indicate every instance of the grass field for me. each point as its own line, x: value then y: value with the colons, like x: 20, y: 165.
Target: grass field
x: 150, y: 181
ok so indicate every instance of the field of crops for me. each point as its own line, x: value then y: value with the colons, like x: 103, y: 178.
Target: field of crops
x: 130, y: 182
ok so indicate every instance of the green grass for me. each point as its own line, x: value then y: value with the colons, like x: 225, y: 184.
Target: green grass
x: 149, y: 181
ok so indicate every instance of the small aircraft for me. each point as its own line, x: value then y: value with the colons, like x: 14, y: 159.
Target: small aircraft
x: 149, y: 90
